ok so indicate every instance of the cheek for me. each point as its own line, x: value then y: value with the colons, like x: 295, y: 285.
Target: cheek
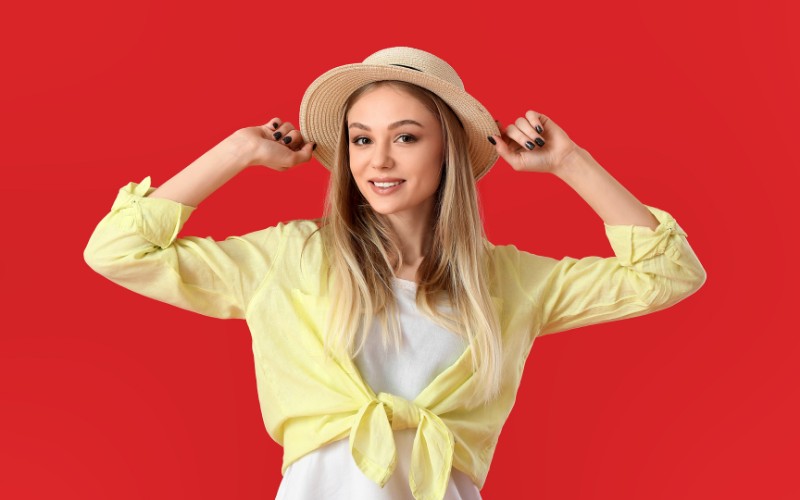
x: 358, y: 161
x: 354, y: 163
x: 432, y: 180
x: 436, y: 168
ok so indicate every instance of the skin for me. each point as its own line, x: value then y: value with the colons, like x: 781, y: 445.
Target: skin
x: 267, y: 145
x: 383, y: 144
x: 557, y: 154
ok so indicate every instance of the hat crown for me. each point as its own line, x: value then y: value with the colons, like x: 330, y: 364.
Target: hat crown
x: 416, y: 59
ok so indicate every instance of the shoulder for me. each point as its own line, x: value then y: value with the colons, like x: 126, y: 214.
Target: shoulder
x: 296, y: 235
x: 298, y: 227
x: 303, y: 246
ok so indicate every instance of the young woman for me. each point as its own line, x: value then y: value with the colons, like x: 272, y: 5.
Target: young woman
x: 390, y: 336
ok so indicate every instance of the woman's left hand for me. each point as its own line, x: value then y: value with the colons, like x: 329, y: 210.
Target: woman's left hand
x: 534, y: 143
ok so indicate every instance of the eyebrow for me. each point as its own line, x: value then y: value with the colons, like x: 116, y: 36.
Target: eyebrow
x: 392, y: 126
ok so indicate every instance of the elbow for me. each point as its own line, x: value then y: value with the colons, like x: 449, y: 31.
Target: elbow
x: 699, y: 280
x: 686, y: 278
x: 695, y: 277
x: 665, y: 292
x: 694, y: 273
x: 98, y: 255
x: 692, y: 281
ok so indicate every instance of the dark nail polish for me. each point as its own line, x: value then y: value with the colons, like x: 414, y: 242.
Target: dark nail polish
x: 539, y: 129
x: 275, y: 125
x: 314, y: 147
x: 491, y: 139
x: 529, y: 145
x: 539, y: 141
x: 276, y: 135
x: 287, y: 140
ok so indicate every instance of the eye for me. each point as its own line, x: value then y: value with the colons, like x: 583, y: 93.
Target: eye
x: 355, y: 141
x: 410, y: 138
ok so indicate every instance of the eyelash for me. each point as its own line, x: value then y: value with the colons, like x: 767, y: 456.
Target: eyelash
x: 411, y: 139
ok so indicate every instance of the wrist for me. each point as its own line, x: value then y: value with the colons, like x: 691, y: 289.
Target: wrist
x: 239, y: 149
x: 573, y: 163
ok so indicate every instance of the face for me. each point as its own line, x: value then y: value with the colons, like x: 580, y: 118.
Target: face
x: 396, y: 152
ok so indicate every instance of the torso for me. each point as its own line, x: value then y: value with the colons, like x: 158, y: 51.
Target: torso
x: 426, y: 350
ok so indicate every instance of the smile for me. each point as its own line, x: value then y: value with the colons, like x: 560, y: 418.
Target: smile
x: 385, y: 187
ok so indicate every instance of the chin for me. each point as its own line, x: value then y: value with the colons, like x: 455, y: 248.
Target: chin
x: 383, y: 210
x: 380, y: 206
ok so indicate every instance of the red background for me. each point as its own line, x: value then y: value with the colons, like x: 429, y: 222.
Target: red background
x: 691, y: 105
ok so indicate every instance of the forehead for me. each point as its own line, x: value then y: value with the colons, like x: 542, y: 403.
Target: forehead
x: 389, y: 102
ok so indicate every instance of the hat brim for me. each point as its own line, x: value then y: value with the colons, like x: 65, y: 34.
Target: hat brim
x: 323, y: 102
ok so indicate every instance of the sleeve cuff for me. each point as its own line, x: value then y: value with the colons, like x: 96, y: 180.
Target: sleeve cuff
x: 158, y: 220
x: 632, y: 244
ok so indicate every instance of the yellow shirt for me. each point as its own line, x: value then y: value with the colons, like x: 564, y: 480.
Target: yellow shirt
x: 307, y: 402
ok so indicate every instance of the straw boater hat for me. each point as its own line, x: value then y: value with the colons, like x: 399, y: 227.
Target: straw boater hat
x: 322, y: 105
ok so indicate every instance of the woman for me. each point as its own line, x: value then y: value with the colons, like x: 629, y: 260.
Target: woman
x: 390, y: 335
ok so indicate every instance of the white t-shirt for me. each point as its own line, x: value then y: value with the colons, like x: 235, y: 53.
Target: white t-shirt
x: 426, y: 350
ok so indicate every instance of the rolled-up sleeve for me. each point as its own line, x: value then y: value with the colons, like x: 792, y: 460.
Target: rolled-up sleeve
x: 136, y: 245
x: 651, y: 270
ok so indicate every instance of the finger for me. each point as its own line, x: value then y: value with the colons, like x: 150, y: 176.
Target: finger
x: 506, y: 151
x: 537, y: 121
x: 293, y: 139
x: 503, y: 134
x: 284, y: 129
x: 303, y: 154
x: 526, y: 128
x: 272, y: 125
x: 512, y: 145
x: 520, y: 138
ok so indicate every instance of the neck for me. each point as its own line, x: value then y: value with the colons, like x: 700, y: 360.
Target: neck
x: 413, y: 234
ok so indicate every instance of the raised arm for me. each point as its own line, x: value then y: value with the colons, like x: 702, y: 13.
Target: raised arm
x: 524, y: 148
x: 654, y: 267
x: 275, y: 144
x: 136, y: 246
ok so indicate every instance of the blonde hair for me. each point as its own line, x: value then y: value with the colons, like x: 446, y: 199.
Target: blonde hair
x: 362, y: 250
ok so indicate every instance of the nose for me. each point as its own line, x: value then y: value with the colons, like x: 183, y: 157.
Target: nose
x: 381, y: 156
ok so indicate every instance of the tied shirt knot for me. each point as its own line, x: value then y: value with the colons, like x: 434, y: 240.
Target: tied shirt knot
x: 373, y: 448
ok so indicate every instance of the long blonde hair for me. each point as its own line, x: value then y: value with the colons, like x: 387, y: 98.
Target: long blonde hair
x: 362, y: 250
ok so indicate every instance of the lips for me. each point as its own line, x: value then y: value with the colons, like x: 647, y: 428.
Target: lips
x: 386, y: 183
x: 386, y: 186
x: 386, y: 179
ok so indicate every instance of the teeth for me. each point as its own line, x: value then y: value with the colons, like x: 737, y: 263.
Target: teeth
x: 386, y: 184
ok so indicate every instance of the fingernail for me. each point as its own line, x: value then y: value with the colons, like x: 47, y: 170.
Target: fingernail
x: 538, y: 128
x: 529, y: 145
x: 287, y: 139
x: 539, y: 141
x: 491, y: 139
x: 276, y: 135
x: 314, y: 147
x: 275, y: 125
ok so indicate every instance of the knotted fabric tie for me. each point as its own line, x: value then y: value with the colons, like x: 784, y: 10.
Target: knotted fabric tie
x: 373, y: 448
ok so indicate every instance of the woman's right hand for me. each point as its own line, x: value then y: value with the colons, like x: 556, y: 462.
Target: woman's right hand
x: 269, y: 146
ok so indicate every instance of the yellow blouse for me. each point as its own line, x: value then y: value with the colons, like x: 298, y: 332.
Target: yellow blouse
x: 307, y: 401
